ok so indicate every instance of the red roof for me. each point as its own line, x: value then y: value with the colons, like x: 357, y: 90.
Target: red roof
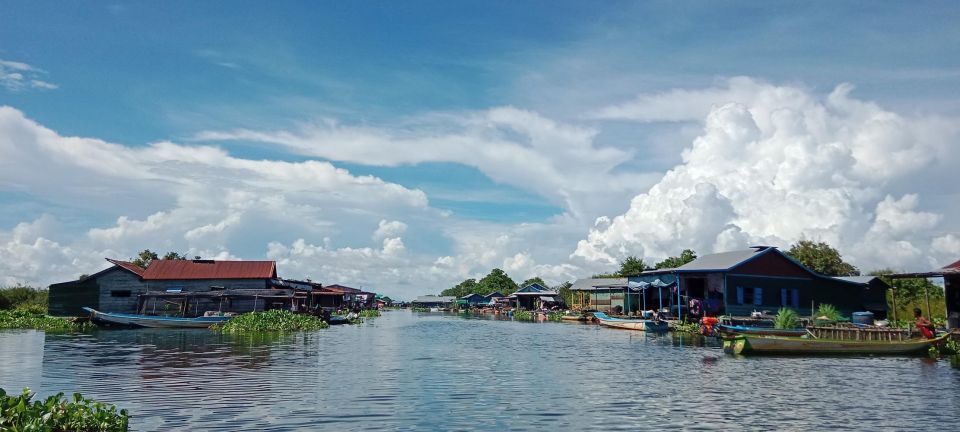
x: 341, y: 289
x: 128, y: 266
x: 209, y: 269
x: 952, y: 267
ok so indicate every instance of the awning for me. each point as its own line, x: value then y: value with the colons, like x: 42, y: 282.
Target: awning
x: 549, y: 299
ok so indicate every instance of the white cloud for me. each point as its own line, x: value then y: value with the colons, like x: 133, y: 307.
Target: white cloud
x: 775, y: 164
x: 387, y: 229
x: 18, y: 76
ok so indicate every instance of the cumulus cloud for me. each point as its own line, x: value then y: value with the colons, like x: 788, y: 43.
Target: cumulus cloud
x: 775, y: 164
x: 18, y: 76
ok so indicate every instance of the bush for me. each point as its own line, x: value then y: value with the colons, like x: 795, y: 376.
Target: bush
x: 829, y: 312
x: 20, y: 296
x: 271, y: 321
x: 786, y: 319
x: 57, y: 413
x: 25, y: 319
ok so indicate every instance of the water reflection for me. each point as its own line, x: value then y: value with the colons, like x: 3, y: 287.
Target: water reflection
x: 408, y: 371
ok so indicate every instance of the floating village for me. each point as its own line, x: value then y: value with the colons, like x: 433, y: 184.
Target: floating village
x: 757, y: 301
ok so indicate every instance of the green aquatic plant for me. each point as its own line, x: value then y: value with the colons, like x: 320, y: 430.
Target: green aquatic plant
x: 786, y: 319
x: 420, y: 309
x: 271, y: 321
x: 57, y: 413
x: 523, y: 315
x: 369, y: 313
x: 555, y: 316
x: 686, y: 327
x: 829, y: 312
x: 25, y: 319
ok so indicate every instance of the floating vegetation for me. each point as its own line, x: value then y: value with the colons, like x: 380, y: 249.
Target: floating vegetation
x: 369, y: 313
x: 271, y: 321
x: 786, y: 319
x: 57, y: 413
x: 522, y: 315
x: 555, y: 316
x: 685, y: 326
x: 420, y: 309
x: 26, y: 319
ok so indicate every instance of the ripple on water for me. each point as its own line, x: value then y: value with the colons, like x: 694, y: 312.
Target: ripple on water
x: 408, y: 371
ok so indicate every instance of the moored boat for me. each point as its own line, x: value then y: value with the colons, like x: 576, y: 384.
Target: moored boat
x: 647, y: 325
x: 734, y: 330
x: 751, y: 344
x: 110, y: 319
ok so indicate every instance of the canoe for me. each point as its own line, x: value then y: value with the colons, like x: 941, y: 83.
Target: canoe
x: 733, y: 330
x: 580, y: 318
x: 647, y: 325
x: 110, y: 319
x: 760, y: 345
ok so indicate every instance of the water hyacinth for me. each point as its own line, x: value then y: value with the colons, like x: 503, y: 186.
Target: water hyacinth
x: 271, y: 321
x: 57, y: 413
x: 25, y: 319
x: 522, y: 315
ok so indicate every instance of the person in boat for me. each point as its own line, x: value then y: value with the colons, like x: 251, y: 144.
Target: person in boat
x: 923, y: 324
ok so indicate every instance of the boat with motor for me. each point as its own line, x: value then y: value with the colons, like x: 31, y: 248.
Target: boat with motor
x: 647, y: 325
x: 111, y: 319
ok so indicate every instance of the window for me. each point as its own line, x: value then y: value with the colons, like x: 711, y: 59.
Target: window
x: 790, y: 297
x: 746, y: 296
x: 120, y: 293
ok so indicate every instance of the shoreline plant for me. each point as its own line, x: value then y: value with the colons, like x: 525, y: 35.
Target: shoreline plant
x: 786, y: 319
x: 57, y: 413
x: 27, y: 319
x: 271, y: 321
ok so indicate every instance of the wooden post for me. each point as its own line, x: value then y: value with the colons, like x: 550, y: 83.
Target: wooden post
x: 926, y: 293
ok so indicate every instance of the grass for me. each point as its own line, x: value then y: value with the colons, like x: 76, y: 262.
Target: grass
x: 25, y: 319
x: 57, y: 413
x: 23, y: 297
x: 271, y: 321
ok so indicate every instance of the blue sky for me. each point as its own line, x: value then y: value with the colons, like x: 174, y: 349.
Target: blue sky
x: 299, y: 81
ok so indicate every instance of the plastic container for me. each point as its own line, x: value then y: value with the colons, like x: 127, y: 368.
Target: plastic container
x: 863, y: 318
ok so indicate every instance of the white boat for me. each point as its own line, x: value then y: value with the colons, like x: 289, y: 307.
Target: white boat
x: 647, y: 325
x: 110, y: 319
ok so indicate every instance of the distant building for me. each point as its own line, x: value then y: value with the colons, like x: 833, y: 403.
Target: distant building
x: 123, y: 287
x: 434, y: 301
x: 535, y: 296
x: 472, y: 300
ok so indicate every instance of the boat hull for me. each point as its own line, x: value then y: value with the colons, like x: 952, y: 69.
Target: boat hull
x: 646, y: 325
x: 778, y: 345
x: 107, y: 319
x: 734, y: 330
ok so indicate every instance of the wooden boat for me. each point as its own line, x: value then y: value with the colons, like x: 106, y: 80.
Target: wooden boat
x: 338, y: 319
x: 109, y: 319
x: 580, y: 318
x: 734, y: 330
x: 745, y: 344
x: 647, y: 325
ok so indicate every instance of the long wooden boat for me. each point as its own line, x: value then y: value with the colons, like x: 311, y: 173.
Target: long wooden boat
x: 647, y: 325
x: 110, y: 319
x: 745, y: 344
x: 580, y: 318
x: 734, y: 330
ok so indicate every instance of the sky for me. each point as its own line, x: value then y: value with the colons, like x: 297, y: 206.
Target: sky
x: 405, y: 146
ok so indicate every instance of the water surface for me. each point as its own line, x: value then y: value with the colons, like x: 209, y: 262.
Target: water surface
x: 410, y: 371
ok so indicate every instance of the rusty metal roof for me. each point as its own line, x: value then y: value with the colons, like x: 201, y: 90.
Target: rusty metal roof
x: 128, y: 266
x: 341, y: 289
x: 209, y: 269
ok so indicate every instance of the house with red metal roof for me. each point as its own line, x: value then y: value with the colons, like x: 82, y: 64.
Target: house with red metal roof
x: 199, y: 284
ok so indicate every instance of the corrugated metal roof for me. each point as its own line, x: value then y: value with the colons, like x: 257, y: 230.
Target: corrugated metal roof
x: 435, y: 299
x: 955, y: 267
x: 342, y: 288
x: 588, y: 284
x: 209, y: 269
x: 721, y: 261
x: 128, y: 266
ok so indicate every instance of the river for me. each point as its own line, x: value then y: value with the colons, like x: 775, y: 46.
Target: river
x: 431, y: 371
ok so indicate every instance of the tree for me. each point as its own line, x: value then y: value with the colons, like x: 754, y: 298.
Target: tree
x: 533, y: 280
x: 912, y: 290
x: 461, y: 289
x: 821, y: 258
x: 632, y: 266
x: 144, y: 258
x: 565, y: 293
x: 686, y: 256
x: 497, y: 280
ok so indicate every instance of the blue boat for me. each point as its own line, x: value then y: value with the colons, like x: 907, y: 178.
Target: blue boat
x: 735, y: 330
x: 109, y: 319
x: 647, y: 325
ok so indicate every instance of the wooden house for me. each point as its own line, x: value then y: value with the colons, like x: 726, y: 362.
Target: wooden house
x: 535, y: 296
x: 951, y: 289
